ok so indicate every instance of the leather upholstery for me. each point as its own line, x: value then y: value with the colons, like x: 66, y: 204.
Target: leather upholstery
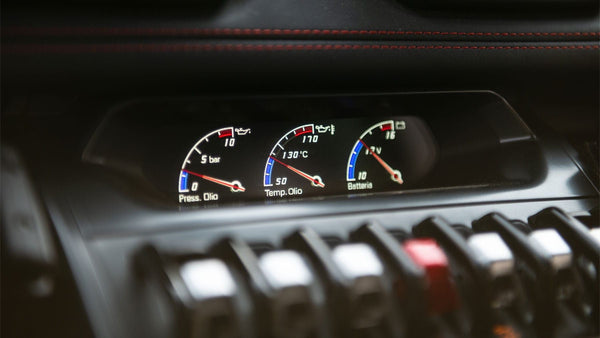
x: 258, y: 42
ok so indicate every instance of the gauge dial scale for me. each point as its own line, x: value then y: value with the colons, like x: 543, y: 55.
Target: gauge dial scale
x: 206, y: 173
x: 291, y: 160
x: 297, y: 165
x: 389, y: 156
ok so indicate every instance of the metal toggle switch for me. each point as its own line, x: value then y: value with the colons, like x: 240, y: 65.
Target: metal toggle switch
x: 212, y: 288
x: 407, y: 278
x: 289, y: 302
x: 290, y: 279
x: 492, y: 252
x: 363, y: 270
x: 355, y: 280
x: 549, y: 241
x: 499, y: 262
x: 198, y: 296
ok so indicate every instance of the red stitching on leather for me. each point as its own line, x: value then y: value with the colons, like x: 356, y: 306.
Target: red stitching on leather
x: 110, y: 48
x: 45, y: 31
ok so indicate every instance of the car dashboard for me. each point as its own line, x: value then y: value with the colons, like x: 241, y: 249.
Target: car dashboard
x: 302, y: 169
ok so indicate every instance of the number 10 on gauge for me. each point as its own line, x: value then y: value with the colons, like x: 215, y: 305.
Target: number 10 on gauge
x: 204, y: 175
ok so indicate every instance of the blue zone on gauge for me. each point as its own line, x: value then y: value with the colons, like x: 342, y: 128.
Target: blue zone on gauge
x: 351, y: 164
x: 268, y: 171
x: 183, y: 181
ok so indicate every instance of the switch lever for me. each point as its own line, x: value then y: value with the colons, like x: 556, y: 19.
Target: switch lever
x: 289, y: 304
x: 585, y: 247
x: 409, y: 283
x: 205, y: 295
x: 550, y: 276
x: 353, y: 274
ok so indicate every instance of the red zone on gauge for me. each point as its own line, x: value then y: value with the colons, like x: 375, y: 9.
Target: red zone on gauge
x: 385, y: 130
x: 204, y: 161
x: 309, y: 135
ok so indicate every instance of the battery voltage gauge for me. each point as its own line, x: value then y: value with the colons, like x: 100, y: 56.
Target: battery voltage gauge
x: 375, y: 160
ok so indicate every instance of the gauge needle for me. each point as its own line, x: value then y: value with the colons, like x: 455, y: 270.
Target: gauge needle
x: 234, y: 185
x: 315, y: 180
x: 395, y: 174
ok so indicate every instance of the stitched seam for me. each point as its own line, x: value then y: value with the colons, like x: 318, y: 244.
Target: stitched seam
x: 268, y: 31
x: 258, y: 47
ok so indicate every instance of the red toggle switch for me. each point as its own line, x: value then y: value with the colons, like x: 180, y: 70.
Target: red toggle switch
x: 442, y: 296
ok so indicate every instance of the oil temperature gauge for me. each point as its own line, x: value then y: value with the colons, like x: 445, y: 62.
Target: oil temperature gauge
x: 292, y: 167
x: 204, y: 176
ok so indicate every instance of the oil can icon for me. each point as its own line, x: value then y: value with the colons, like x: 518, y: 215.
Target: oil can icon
x: 323, y: 129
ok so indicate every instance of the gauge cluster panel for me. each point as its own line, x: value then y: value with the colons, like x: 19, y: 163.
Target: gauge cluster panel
x: 320, y: 158
x: 219, y: 151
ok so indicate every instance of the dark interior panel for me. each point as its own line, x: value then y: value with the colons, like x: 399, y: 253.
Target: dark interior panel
x: 253, y: 168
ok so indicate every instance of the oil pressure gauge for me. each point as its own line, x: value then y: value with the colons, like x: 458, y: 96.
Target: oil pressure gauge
x: 206, y: 170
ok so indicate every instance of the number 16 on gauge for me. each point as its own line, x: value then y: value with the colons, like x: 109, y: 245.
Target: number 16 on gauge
x: 375, y: 154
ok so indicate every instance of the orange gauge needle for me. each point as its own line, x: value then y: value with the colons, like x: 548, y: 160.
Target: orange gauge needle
x: 395, y: 174
x: 314, y: 180
x: 235, y: 186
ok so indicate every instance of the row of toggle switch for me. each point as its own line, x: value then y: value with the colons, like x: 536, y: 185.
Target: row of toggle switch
x: 498, y: 278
